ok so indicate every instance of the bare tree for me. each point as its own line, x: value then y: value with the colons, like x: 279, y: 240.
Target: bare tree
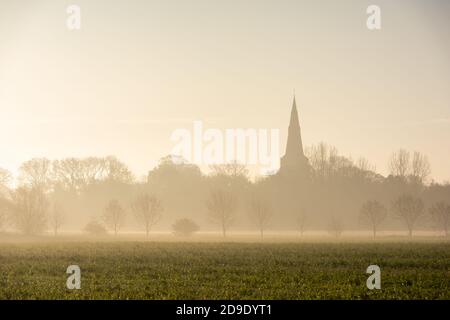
x: 92, y: 170
x: 319, y: 157
x: 335, y: 226
x: 364, y: 165
x: 420, y: 167
x: 76, y: 174
x: 232, y: 169
x: 409, y: 209
x: 114, y: 216
x: 147, y: 210
x: 29, y: 210
x: 115, y: 170
x: 440, y: 213
x: 221, y: 207
x: 57, y: 218
x: 334, y: 161
x: 399, y: 164
x: 260, y: 212
x: 5, y: 178
x: 69, y: 173
x: 4, y: 211
x: 327, y: 163
x: 36, y: 173
x: 373, y: 213
x: 301, y: 221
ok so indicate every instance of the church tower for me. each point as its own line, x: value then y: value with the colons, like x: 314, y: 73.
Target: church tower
x: 294, y: 160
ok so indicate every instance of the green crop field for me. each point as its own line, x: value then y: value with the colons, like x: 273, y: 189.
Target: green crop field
x: 228, y: 270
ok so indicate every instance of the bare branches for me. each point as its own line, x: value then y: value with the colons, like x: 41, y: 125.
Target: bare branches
x: 409, y: 209
x: 57, y: 218
x: 335, y: 226
x: 233, y: 169
x: 399, y: 163
x: 4, y: 213
x: 36, y: 173
x: 373, y: 213
x: 114, y: 216
x: 440, y: 213
x: 5, y: 177
x: 260, y: 213
x: 416, y: 169
x: 30, y: 207
x: 147, y: 210
x: 327, y: 163
x: 420, y: 167
x: 221, y: 207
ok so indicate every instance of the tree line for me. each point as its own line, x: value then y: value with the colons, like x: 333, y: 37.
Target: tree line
x: 338, y: 193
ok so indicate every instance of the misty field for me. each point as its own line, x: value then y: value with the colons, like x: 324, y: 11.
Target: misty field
x: 228, y: 270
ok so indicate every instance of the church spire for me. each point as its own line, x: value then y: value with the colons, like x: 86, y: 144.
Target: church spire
x: 294, y: 144
x: 294, y: 159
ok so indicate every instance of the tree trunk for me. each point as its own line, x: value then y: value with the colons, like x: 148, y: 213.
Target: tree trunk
x: 374, y: 232
x: 262, y: 233
x: 223, y: 230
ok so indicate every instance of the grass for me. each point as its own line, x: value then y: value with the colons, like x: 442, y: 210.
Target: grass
x: 228, y: 270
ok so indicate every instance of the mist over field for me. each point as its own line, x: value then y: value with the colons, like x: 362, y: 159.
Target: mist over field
x: 224, y: 149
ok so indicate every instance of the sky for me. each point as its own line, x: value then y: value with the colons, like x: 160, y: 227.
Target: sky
x: 138, y: 70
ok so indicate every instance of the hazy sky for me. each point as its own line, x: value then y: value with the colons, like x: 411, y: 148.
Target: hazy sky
x: 137, y: 70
